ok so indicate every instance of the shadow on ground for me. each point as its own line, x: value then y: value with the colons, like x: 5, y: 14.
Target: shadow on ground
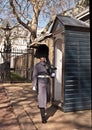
x: 50, y: 111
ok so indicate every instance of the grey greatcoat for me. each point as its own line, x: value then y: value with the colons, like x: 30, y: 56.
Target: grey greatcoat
x: 42, y: 84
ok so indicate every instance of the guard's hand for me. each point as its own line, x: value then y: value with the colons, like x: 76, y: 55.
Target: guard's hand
x: 34, y: 88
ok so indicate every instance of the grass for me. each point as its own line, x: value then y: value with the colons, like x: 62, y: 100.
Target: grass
x: 16, y: 77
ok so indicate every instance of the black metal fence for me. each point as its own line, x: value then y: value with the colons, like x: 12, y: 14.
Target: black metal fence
x: 18, y: 67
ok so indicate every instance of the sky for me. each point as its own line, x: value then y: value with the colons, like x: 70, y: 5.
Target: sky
x: 42, y: 21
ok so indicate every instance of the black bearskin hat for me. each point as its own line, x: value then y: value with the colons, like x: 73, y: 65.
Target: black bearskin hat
x: 42, y: 51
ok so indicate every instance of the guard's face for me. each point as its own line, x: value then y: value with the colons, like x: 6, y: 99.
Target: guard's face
x: 42, y: 58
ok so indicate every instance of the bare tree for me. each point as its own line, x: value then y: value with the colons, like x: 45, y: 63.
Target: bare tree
x: 28, y: 13
x: 81, y: 5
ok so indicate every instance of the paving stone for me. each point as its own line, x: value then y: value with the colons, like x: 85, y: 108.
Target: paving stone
x: 24, y: 103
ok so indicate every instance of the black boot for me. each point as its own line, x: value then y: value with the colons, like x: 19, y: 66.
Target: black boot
x: 42, y: 110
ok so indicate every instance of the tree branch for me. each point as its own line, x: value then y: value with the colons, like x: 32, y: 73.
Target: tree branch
x: 48, y: 25
x: 18, y: 18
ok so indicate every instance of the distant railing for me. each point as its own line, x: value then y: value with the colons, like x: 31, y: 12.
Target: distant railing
x: 19, y: 67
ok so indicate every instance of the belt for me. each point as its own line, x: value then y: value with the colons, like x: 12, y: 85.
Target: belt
x: 43, y: 76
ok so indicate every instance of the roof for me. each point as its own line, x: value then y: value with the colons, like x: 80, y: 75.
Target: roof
x: 70, y: 21
x: 40, y: 39
x: 83, y: 14
x: 66, y: 21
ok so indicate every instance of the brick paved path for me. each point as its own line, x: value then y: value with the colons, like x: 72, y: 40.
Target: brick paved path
x: 7, y: 118
x: 24, y: 105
